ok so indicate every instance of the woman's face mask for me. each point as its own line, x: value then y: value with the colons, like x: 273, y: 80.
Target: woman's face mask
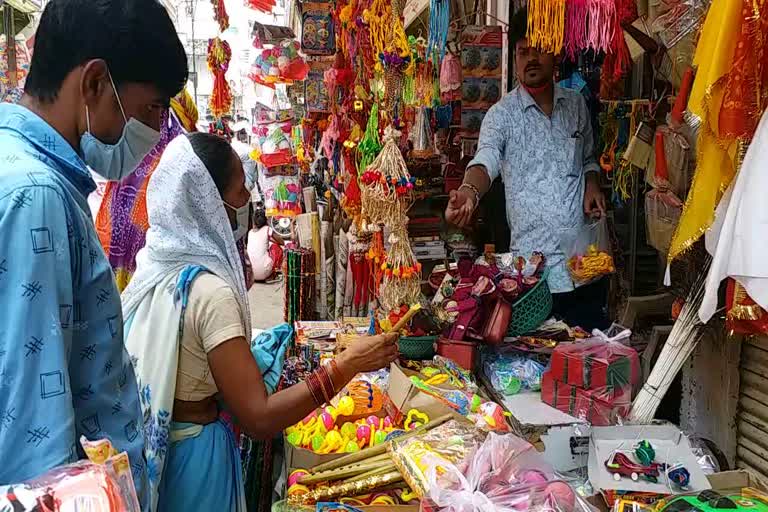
x: 243, y: 216
x: 116, y: 161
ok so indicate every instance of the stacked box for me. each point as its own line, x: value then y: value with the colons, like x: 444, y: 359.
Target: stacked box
x: 593, y: 381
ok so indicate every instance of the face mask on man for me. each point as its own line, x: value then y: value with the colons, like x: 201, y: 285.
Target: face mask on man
x: 243, y: 216
x: 116, y: 161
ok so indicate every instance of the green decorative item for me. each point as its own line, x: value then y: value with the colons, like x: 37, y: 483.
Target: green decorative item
x: 645, y: 453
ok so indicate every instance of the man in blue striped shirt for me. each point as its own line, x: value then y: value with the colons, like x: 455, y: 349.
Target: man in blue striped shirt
x: 538, y: 139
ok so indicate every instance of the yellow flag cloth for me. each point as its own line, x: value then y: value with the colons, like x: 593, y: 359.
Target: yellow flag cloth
x: 715, y: 161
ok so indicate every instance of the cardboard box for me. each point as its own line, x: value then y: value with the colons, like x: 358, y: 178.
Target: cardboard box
x: 299, y: 458
x: 404, y: 396
x: 737, y: 479
x: 670, y: 445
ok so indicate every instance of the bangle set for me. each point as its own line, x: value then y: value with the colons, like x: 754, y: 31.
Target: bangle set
x: 321, y: 383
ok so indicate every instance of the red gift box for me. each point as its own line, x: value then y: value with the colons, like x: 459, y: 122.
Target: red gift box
x: 596, y: 365
x: 602, y: 408
x: 558, y: 394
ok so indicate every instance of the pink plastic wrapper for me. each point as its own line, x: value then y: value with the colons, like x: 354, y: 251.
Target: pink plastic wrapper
x: 506, y: 474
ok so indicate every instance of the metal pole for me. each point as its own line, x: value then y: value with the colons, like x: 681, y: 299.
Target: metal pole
x: 191, y: 4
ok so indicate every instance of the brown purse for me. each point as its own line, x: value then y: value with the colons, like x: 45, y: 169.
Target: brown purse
x: 498, y: 322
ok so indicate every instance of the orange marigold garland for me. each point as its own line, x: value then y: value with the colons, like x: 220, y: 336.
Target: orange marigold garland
x: 219, y: 56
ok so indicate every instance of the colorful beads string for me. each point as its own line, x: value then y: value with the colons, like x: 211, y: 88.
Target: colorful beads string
x: 299, y: 271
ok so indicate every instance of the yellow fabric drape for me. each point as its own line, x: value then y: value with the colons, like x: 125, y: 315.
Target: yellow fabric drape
x: 185, y: 109
x: 716, y: 154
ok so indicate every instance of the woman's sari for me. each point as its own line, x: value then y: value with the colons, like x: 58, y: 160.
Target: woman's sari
x: 189, y: 233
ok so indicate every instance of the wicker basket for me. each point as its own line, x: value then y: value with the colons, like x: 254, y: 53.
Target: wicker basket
x: 532, y: 309
x: 417, y: 348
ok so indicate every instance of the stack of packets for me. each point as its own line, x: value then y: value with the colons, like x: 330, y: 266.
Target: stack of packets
x: 593, y: 381
x: 102, y: 484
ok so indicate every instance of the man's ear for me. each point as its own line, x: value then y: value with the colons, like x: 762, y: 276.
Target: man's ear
x: 94, y: 78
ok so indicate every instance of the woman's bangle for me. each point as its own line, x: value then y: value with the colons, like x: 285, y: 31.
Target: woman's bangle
x: 313, y: 384
x: 336, y: 376
x: 326, y: 384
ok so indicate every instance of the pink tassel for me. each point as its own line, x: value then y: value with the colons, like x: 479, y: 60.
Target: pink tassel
x: 602, y: 24
x: 576, y: 14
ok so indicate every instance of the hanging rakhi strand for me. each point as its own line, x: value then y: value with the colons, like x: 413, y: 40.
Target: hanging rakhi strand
x: 439, y: 18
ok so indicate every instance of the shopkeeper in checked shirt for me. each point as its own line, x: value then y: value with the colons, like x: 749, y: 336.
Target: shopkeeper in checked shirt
x: 538, y: 139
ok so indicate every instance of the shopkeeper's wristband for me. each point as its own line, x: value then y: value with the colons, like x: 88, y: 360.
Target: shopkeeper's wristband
x: 474, y: 190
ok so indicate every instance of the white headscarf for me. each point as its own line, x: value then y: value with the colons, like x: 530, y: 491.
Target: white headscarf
x: 188, y: 225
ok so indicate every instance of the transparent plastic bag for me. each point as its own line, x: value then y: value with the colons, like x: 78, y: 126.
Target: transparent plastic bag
x: 506, y: 474
x: 80, y: 487
x: 452, y: 443
x: 588, y: 252
x: 282, y: 196
x: 511, y: 374
x: 594, y: 381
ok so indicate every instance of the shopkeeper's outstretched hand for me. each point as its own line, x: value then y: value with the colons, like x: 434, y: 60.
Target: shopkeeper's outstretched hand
x: 461, y: 207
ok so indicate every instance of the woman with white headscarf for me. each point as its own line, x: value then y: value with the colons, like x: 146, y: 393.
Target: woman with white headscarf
x: 187, y: 324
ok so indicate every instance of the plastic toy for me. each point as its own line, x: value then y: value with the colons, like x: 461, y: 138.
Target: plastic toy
x: 346, y: 406
x: 415, y: 419
x: 645, y: 453
x: 711, y: 501
x: 679, y: 476
x: 620, y: 465
x: 296, y: 476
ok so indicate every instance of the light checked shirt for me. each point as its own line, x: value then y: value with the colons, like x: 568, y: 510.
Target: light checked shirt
x: 542, y: 161
x: 64, y: 372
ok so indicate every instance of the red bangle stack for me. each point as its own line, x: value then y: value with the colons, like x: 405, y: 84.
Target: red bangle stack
x: 326, y: 383
x: 315, y: 388
x: 321, y: 386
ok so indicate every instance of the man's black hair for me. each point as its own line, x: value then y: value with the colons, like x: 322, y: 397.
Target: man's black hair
x: 259, y: 217
x: 217, y: 156
x: 136, y: 38
x: 518, y: 28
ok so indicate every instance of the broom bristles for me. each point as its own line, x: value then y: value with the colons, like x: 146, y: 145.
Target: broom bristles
x: 681, y: 343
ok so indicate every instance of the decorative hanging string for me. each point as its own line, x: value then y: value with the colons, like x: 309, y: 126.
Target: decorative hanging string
x: 602, y: 24
x: 299, y: 291
x: 387, y: 186
x: 220, y: 14
x: 546, y: 25
x: 370, y: 145
x: 402, y: 273
x: 219, y: 56
x: 576, y: 14
x: 386, y: 32
x: 618, y: 60
x: 439, y: 18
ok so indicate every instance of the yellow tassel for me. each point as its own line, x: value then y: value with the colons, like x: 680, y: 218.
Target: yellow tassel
x: 546, y: 25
